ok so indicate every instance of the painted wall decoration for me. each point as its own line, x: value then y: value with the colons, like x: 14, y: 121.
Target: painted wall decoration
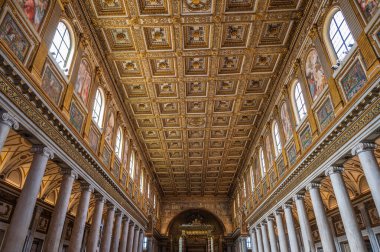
x: 368, y: 8
x: 286, y: 124
x: 269, y: 152
x: 106, y: 155
x: 51, y: 85
x: 292, y: 154
x: 93, y: 139
x: 35, y: 11
x: 325, y: 114
x: 83, y: 83
x: 315, y: 75
x: 43, y: 224
x: 14, y: 38
x: 110, y: 126
x: 76, y: 116
x: 306, y: 137
x: 353, y: 80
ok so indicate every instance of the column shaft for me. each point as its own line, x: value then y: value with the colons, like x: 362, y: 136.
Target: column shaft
x: 116, y: 233
x: 53, y: 237
x: 107, y: 231
x: 264, y: 235
x: 131, y: 237
x: 259, y: 239
x: 124, y: 236
x: 136, y: 239
x: 365, y: 152
x: 307, y: 236
x: 93, y: 237
x: 281, y: 232
x: 80, y: 218
x: 272, y: 235
x: 18, y: 228
x: 291, y: 228
x: 253, y: 240
x: 141, y: 240
x: 351, y: 227
x: 327, y: 239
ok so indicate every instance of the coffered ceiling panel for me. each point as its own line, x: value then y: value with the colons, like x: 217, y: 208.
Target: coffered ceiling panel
x: 195, y: 76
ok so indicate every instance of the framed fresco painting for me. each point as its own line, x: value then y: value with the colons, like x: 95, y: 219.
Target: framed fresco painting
x: 83, y: 82
x: 107, y: 155
x: 315, y: 75
x: 292, y: 154
x: 51, y: 85
x: 93, y: 139
x: 34, y: 11
x: 367, y: 8
x: 325, y: 114
x: 5, y: 211
x: 306, y: 137
x: 353, y: 79
x: 14, y: 37
x: 76, y: 116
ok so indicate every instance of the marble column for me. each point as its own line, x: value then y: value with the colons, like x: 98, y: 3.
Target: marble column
x: 53, y: 237
x: 80, y: 218
x: 131, y: 237
x: 33, y: 228
x: 306, y: 233
x: 136, y: 239
x: 347, y: 213
x: 107, y: 231
x: 124, y: 235
x: 253, y: 240
x: 367, y: 222
x: 281, y: 231
x: 6, y: 123
x: 93, y: 237
x: 264, y: 234
x: 23, y: 213
x: 116, y: 232
x: 259, y: 239
x: 371, y: 169
x: 141, y: 240
x: 325, y: 232
x: 272, y: 234
x: 291, y: 228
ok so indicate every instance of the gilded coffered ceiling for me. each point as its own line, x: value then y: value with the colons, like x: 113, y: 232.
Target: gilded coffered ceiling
x: 195, y: 76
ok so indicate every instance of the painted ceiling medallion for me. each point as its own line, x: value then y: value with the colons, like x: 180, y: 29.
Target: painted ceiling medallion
x: 119, y: 39
x: 158, y: 38
x: 153, y: 7
x: 128, y: 68
x: 196, y: 6
x: 235, y: 35
x: 196, y: 36
x: 196, y: 65
x: 109, y: 7
x: 240, y: 5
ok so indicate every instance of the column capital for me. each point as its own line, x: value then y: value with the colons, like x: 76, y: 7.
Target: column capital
x: 99, y: 197
x: 9, y: 120
x: 278, y: 211
x: 110, y: 206
x: 298, y: 196
x: 361, y: 147
x: 313, y: 185
x: 287, y: 205
x: 86, y: 186
x: 270, y: 218
x: 118, y: 212
x: 333, y: 170
x: 68, y: 171
x: 42, y: 149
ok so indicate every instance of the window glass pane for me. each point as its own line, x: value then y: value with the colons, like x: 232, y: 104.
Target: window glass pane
x: 340, y: 35
x: 61, y: 46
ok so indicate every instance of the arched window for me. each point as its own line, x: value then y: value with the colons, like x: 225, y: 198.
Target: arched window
x: 340, y: 35
x: 98, y: 109
x: 154, y: 201
x: 252, y: 179
x: 277, y: 140
x: 132, y: 165
x: 62, y: 47
x: 142, y: 181
x: 238, y: 200
x: 244, y: 189
x: 119, y: 143
x: 262, y: 163
x: 299, y: 102
x: 148, y: 190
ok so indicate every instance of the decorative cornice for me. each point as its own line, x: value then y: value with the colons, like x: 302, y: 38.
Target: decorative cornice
x: 333, y: 170
x: 362, y: 147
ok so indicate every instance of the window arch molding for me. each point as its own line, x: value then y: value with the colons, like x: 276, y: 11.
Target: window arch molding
x: 98, y: 107
x: 119, y: 143
x: 64, y: 28
x: 326, y: 34
x: 263, y: 168
x: 299, y: 109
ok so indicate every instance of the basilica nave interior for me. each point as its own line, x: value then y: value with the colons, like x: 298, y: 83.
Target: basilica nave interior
x: 189, y: 125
